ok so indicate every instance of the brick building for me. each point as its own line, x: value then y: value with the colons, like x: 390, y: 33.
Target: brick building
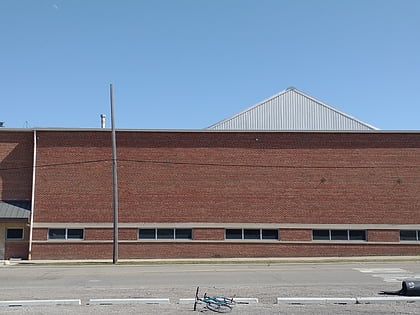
x: 185, y: 194
x: 289, y: 176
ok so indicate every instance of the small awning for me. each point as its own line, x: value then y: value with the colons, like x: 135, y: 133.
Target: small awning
x: 15, y: 209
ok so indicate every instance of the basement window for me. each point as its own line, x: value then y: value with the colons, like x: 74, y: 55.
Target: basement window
x: 339, y: 235
x: 14, y: 234
x: 184, y: 234
x: 165, y: 234
x: 65, y: 234
x: 233, y: 234
x: 147, y: 234
x: 74, y: 234
x: 409, y: 235
x: 321, y: 235
x: 357, y: 235
x: 270, y: 234
x: 251, y: 234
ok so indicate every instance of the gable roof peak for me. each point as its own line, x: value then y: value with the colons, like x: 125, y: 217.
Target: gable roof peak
x: 292, y: 109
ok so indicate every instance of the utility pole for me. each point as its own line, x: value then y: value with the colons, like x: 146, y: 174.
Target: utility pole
x: 114, y: 179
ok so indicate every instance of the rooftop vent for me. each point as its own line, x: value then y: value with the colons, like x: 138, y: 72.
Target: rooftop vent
x: 103, y: 123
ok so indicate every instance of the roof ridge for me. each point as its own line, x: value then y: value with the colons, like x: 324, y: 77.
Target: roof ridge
x: 252, y: 107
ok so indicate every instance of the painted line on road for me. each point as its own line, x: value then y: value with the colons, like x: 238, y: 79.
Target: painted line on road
x: 129, y: 301
x: 388, y: 274
x: 40, y: 302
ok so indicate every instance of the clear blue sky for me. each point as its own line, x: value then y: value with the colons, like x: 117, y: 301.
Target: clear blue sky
x: 186, y: 64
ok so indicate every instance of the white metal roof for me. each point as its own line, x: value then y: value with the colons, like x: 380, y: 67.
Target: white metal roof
x: 291, y: 110
x: 14, y: 209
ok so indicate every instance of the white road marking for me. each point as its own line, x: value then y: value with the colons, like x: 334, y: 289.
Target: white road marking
x: 389, y: 274
x: 380, y: 270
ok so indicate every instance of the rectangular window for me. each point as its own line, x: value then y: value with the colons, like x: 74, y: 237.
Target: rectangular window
x: 252, y: 234
x: 165, y: 234
x: 233, y: 234
x: 65, y: 234
x: 357, y: 235
x: 147, y: 234
x: 321, y: 235
x: 14, y: 234
x: 74, y: 234
x: 185, y: 234
x: 270, y: 234
x: 339, y: 235
x: 57, y: 234
x: 409, y: 235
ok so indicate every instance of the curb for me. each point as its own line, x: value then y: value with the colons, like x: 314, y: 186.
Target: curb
x: 292, y: 301
x: 238, y: 300
x: 358, y: 300
x: 40, y: 302
x: 316, y: 300
x: 127, y: 301
x: 378, y: 300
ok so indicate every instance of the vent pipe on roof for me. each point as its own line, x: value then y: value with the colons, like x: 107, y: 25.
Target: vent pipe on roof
x: 103, y: 121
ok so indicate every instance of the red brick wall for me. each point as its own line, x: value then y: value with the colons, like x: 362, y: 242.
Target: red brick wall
x: 16, y: 249
x: 342, y: 178
x: 73, y: 179
x: 71, y: 250
x: 296, y: 235
x: 40, y: 234
x: 77, y: 250
x: 99, y: 234
x: 16, y: 156
x: 208, y: 234
x: 227, y: 177
x: 128, y: 234
x: 383, y: 235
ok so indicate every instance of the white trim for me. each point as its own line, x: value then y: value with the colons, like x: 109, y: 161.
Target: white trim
x: 243, y: 242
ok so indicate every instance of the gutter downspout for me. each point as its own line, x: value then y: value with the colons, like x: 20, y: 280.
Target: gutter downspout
x: 31, y: 224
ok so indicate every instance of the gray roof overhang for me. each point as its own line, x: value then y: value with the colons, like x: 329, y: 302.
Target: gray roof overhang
x: 14, y: 209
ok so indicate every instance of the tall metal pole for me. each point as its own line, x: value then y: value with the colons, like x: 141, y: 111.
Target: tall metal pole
x: 114, y: 179
x: 31, y: 224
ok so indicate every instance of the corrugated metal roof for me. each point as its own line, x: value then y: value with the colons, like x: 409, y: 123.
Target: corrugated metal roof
x: 291, y: 109
x: 15, y: 209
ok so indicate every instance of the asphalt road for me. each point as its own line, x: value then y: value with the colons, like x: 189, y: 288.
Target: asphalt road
x: 263, y: 281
